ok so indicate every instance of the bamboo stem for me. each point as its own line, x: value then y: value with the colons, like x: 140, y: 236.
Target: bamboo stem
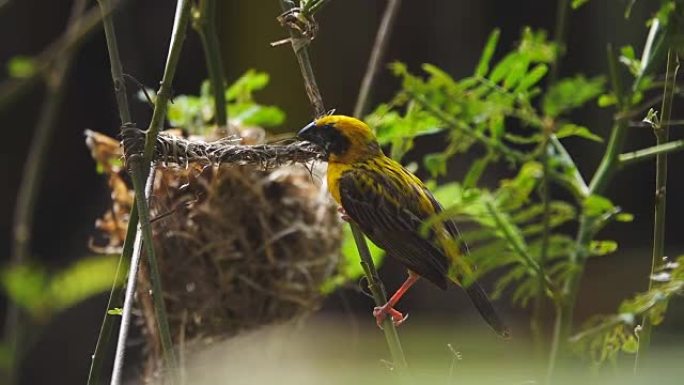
x: 374, y: 284
x: 204, y: 22
x: 661, y: 132
x: 630, y: 158
x: 127, y: 253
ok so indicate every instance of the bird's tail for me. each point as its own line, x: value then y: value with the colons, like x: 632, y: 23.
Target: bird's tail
x: 483, y: 305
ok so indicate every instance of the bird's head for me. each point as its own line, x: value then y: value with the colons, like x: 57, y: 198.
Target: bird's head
x: 343, y: 139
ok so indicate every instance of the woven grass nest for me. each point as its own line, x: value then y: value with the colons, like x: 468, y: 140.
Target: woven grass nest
x: 238, y: 246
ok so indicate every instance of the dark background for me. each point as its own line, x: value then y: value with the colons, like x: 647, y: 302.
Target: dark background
x: 447, y: 33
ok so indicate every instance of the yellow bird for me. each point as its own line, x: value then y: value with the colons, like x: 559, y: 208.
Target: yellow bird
x: 390, y: 204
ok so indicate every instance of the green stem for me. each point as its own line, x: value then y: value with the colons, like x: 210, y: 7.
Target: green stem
x: 559, y: 36
x: 374, y: 284
x: 204, y: 22
x: 609, y: 164
x: 537, y: 322
x: 115, y: 300
x: 630, y: 158
x: 141, y: 171
x: 661, y: 132
x: 379, y: 296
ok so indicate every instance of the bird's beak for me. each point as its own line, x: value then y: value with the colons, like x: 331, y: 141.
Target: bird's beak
x: 309, y: 133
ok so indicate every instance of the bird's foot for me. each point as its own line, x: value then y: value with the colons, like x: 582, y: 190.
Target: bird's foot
x: 343, y: 214
x: 381, y: 312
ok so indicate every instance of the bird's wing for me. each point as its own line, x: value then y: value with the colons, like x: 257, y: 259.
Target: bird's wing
x: 389, y: 213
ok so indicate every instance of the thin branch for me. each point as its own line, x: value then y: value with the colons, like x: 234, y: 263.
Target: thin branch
x: 519, y: 249
x: 127, y: 311
x: 204, y: 22
x: 630, y: 158
x: 662, y: 135
x: 70, y: 40
x: 500, y: 148
x: 377, y: 53
x: 299, y: 45
x: 34, y: 168
x: 129, y: 251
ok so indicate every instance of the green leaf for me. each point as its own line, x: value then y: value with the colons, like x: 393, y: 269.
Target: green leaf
x: 436, y: 164
x: 578, y: 3
x: 624, y: 217
x: 476, y: 171
x: 596, y: 205
x: 607, y: 100
x: 42, y: 294
x: 570, y: 129
x: 571, y: 93
x: 532, y: 78
x: 246, y: 84
x: 115, y: 311
x: 487, y: 53
x: 629, y: 59
x: 631, y: 345
x: 599, y: 248
x: 251, y: 114
x: 20, y: 67
x: 503, y: 67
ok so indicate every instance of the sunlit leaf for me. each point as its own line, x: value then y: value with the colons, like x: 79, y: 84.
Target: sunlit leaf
x: 571, y: 93
x: 569, y: 129
x: 599, y: 248
x: 483, y: 65
x: 19, y: 67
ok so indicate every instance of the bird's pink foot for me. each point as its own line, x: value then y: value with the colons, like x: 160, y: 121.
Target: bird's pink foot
x: 343, y: 214
x: 381, y: 312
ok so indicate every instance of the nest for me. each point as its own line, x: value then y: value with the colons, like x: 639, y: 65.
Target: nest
x: 238, y: 246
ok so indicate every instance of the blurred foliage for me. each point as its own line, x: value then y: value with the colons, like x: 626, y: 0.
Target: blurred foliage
x: 42, y: 293
x: 19, y: 67
x: 195, y: 112
x: 350, y: 269
x: 504, y: 109
x: 606, y: 336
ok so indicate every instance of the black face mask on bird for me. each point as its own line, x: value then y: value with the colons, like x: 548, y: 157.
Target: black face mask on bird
x: 326, y: 136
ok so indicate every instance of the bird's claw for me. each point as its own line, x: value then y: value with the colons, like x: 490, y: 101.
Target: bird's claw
x: 343, y: 214
x: 381, y: 312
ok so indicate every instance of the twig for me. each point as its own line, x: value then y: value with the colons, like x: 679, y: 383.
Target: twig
x: 537, y: 324
x: 136, y: 250
x: 630, y: 158
x: 379, y: 48
x: 34, y: 168
x: 661, y: 133
x: 204, y: 22
x: 72, y: 38
x: 299, y: 44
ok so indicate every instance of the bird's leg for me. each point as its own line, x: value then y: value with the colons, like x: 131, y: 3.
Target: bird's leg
x: 381, y: 312
x: 343, y: 214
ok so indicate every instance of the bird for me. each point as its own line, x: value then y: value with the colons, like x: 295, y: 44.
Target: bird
x: 392, y: 207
